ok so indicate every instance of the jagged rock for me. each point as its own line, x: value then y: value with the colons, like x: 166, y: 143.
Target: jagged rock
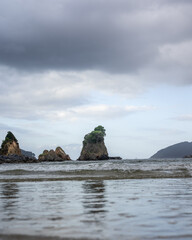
x: 57, y: 155
x: 59, y: 151
x: 12, y: 148
x: 93, y: 146
x: 11, y: 153
x: 10, y: 145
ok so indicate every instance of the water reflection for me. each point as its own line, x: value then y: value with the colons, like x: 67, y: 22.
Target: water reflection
x: 94, y: 197
x: 9, y: 196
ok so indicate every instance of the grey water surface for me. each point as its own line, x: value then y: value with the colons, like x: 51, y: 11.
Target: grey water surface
x: 127, y: 199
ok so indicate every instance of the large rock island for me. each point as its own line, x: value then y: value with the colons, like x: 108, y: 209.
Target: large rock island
x: 93, y: 146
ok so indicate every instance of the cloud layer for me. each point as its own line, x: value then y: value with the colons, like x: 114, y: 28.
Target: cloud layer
x: 114, y: 36
x: 57, y: 56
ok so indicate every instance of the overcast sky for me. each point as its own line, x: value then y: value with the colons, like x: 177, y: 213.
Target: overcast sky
x: 67, y: 66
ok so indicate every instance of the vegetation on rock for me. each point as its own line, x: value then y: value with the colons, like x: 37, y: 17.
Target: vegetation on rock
x: 95, y: 136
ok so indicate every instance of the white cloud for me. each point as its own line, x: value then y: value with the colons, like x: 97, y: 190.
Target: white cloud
x: 62, y: 94
x: 101, y: 111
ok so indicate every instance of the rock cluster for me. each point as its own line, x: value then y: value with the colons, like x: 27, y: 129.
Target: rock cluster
x: 93, y: 149
x: 57, y: 155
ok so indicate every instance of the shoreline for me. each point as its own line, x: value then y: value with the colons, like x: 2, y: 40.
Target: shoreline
x: 24, y: 159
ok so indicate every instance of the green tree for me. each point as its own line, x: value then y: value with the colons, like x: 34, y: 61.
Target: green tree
x: 101, y: 129
x: 95, y: 136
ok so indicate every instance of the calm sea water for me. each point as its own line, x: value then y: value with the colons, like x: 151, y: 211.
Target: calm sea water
x: 128, y: 199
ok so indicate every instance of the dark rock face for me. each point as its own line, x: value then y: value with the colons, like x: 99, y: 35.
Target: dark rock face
x: 94, y: 151
x: 16, y: 159
x: 188, y: 156
x: 178, y: 150
x: 115, y: 158
x: 57, y: 155
x: 93, y: 146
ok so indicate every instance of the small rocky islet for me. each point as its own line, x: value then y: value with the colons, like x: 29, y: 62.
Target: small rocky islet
x: 57, y: 155
x: 93, y: 146
x: 93, y: 149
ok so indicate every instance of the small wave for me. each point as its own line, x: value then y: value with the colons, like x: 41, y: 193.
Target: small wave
x: 125, y: 169
x: 25, y: 175
x: 16, y: 172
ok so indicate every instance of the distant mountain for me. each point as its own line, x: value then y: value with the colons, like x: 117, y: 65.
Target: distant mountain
x: 178, y: 150
x: 28, y: 154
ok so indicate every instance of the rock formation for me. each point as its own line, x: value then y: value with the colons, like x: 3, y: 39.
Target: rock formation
x: 10, y: 145
x: 57, y: 155
x: 93, y: 146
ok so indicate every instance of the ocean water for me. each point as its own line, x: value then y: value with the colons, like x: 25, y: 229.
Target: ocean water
x: 124, y: 199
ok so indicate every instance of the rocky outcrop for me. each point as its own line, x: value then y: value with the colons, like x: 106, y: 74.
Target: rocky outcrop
x: 10, y: 145
x: 10, y: 151
x: 11, y: 148
x: 57, y: 155
x: 94, y: 151
x: 93, y: 146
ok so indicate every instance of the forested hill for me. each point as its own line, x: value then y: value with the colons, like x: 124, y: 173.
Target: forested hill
x: 178, y: 150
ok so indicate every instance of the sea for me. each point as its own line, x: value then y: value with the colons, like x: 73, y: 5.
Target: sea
x: 136, y: 199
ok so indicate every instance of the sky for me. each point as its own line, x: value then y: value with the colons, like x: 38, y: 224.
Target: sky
x: 67, y: 66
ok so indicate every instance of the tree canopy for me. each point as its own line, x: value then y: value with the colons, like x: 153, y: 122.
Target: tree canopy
x: 95, y: 136
x: 101, y: 129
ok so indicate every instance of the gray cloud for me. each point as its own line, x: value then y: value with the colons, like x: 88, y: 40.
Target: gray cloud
x: 55, y: 55
x: 114, y: 36
x: 184, y: 118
